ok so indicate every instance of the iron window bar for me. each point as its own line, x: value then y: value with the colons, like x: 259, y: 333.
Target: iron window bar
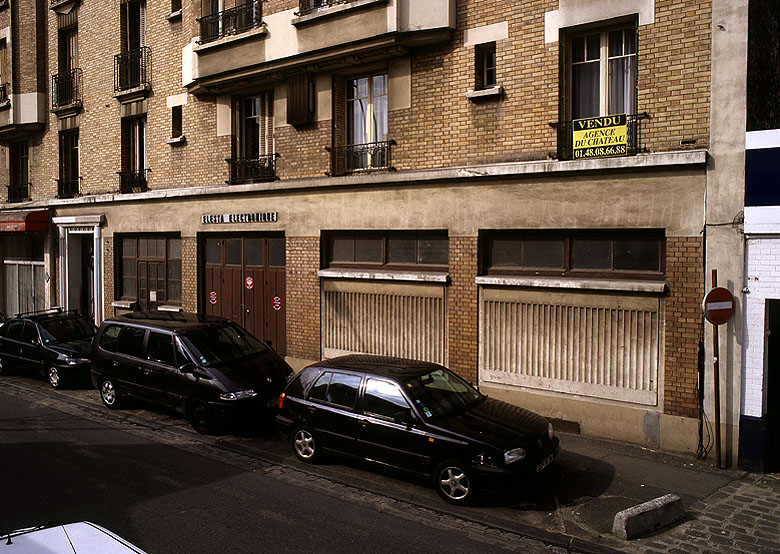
x: 132, y: 181
x: 565, y: 150
x: 132, y: 69
x: 230, y: 22
x: 19, y: 193
x: 68, y: 188
x: 66, y: 88
x: 252, y: 170
x: 310, y: 6
x: 371, y: 156
x: 4, y: 92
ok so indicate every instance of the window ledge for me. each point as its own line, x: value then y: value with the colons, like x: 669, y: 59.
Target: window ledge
x: 124, y: 304
x: 333, y: 10
x: 493, y: 93
x: 628, y: 285
x: 384, y: 275
x: 176, y: 141
x: 169, y: 308
x: 173, y: 15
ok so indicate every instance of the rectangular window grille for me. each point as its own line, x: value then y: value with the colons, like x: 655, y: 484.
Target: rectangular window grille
x: 391, y: 249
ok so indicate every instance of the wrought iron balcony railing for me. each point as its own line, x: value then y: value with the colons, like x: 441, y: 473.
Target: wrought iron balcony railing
x: 230, y: 22
x: 564, y: 129
x: 360, y: 157
x: 66, y: 88
x: 19, y: 193
x: 68, y: 188
x: 132, y: 181
x: 133, y: 69
x: 4, y: 88
x: 252, y: 170
x: 310, y: 6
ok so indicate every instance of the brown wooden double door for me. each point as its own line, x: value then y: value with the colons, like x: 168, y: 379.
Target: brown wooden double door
x: 244, y: 280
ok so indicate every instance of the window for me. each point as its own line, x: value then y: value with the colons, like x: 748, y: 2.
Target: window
x: 131, y: 341
x: 176, y: 122
x: 614, y: 253
x: 485, y: 66
x: 384, y: 399
x: 133, y: 173
x: 397, y: 249
x: 175, y: 6
x: 603, y: 72
x: 150, y: 270
x: 367, y: 109
x: 254, y: 140
x: 5, y: 73
x: 159, y: 348
x: 336, y: 388
x: 68, y: 184
x: 19, y: 167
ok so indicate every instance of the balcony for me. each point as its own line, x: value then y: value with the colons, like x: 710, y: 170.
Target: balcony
x: 372, y: 156
x: 566, y: 149
x: 230, y: 22
x: 19, y: 193
x: 319, y: 36
x: 132, y: 71
x: 66, y: 91
x: 252, y: 170
x: 68, y: 188
x: 132, y: 181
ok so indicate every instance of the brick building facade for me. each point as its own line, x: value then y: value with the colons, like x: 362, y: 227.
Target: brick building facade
x: 307, y: 167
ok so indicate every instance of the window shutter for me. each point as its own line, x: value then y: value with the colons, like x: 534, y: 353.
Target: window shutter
x: 337, y: 155
x: 300, y: 99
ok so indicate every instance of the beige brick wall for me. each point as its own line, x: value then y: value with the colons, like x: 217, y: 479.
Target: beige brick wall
x: 303, y: 298
x: 463, y: 308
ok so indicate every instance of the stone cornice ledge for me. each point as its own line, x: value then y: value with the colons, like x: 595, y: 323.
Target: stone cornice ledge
x: 657, y: 161
x: 384, y: 275
x: 627, y: 285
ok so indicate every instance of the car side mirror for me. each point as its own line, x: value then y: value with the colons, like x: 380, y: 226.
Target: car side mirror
x: 404, y: 417
x: 187, y: 368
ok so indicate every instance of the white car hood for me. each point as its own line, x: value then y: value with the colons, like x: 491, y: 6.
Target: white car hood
x: 73, y: 538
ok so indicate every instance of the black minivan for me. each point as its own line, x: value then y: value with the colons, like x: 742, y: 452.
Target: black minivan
x: 417, y: 417
x: 206, y: 367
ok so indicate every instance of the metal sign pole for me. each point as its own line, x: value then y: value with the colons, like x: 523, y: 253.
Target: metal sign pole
x: 716, y: 377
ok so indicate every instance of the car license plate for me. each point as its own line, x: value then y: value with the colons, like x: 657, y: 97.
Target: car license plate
x: 544, y: 463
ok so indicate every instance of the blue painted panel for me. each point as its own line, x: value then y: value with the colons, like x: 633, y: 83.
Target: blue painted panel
x: 762, y: 177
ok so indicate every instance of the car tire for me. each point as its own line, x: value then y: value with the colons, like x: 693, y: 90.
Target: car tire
x: 201, y: 416
x: 452, y: 480
x: 4, y: 367
x: 109, y: 394
x: 304, y: 444
x: 54, y: 377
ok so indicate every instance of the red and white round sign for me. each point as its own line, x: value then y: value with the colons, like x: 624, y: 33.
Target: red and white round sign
x: 718, y: 306
x: 249, y: 283
x: 276, y: 303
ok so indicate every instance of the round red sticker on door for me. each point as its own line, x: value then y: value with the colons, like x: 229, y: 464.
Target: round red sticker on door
x: 276, y: 303
x: 213, y: 297
x: 249, y: 283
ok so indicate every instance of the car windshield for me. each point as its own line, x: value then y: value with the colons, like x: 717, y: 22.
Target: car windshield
x: 441, y: 393
x: 66, y: 329
x: 221, y: 344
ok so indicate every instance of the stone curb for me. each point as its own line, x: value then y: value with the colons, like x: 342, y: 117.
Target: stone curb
x: 648, y: 517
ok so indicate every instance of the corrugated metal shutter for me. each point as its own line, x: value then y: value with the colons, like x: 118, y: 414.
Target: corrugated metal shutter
x: 405, y: 320
x: 605, y: 346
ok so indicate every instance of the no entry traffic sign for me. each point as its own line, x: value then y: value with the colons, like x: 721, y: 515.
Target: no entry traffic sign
x: 718, y: 306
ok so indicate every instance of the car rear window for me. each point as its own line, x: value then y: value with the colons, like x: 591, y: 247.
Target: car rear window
x: 336, y: 388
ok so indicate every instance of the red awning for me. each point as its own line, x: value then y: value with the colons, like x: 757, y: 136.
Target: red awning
x: 24, y: 221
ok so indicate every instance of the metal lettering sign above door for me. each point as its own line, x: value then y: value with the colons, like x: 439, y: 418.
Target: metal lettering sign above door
x: 255, y: 217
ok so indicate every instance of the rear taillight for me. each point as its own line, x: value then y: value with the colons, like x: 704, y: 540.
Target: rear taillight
x: 281, y: 400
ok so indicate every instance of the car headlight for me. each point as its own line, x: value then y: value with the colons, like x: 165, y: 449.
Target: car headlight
x: 76, y: 361
x: 485, y: 460
x: 550, y: 432
x: 514, y: 455
x: 238, y: 395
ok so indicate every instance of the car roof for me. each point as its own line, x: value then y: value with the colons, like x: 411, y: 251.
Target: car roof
x: 48, y: 315
x: 171, y: 321
x: 383, y: 366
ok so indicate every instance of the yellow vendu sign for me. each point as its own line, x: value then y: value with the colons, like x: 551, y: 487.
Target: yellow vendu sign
x: 600, y: 137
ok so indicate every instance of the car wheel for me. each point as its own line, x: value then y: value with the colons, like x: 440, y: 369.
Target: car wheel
x: 3, y: 367
x: 54, y: 377
x: 305, y: 445
x: 109, y: 394
x: 201, y: 417
x: 453, y: 482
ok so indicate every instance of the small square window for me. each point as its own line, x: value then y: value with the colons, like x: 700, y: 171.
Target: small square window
x: 176, y: 122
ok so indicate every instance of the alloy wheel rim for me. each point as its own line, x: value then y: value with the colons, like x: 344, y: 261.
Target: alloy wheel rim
x: 54, y: 377
x: 454, y: 483
x: 304, y: 444
x: 107, y: 390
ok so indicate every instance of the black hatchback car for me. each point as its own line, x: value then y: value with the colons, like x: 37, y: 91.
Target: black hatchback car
x: 54, y: 344
x: 417, y: 417
x: 206, y: 367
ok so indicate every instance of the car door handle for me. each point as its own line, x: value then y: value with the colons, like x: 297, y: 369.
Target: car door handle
x: 114, y: 363
x: 145, y: 371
